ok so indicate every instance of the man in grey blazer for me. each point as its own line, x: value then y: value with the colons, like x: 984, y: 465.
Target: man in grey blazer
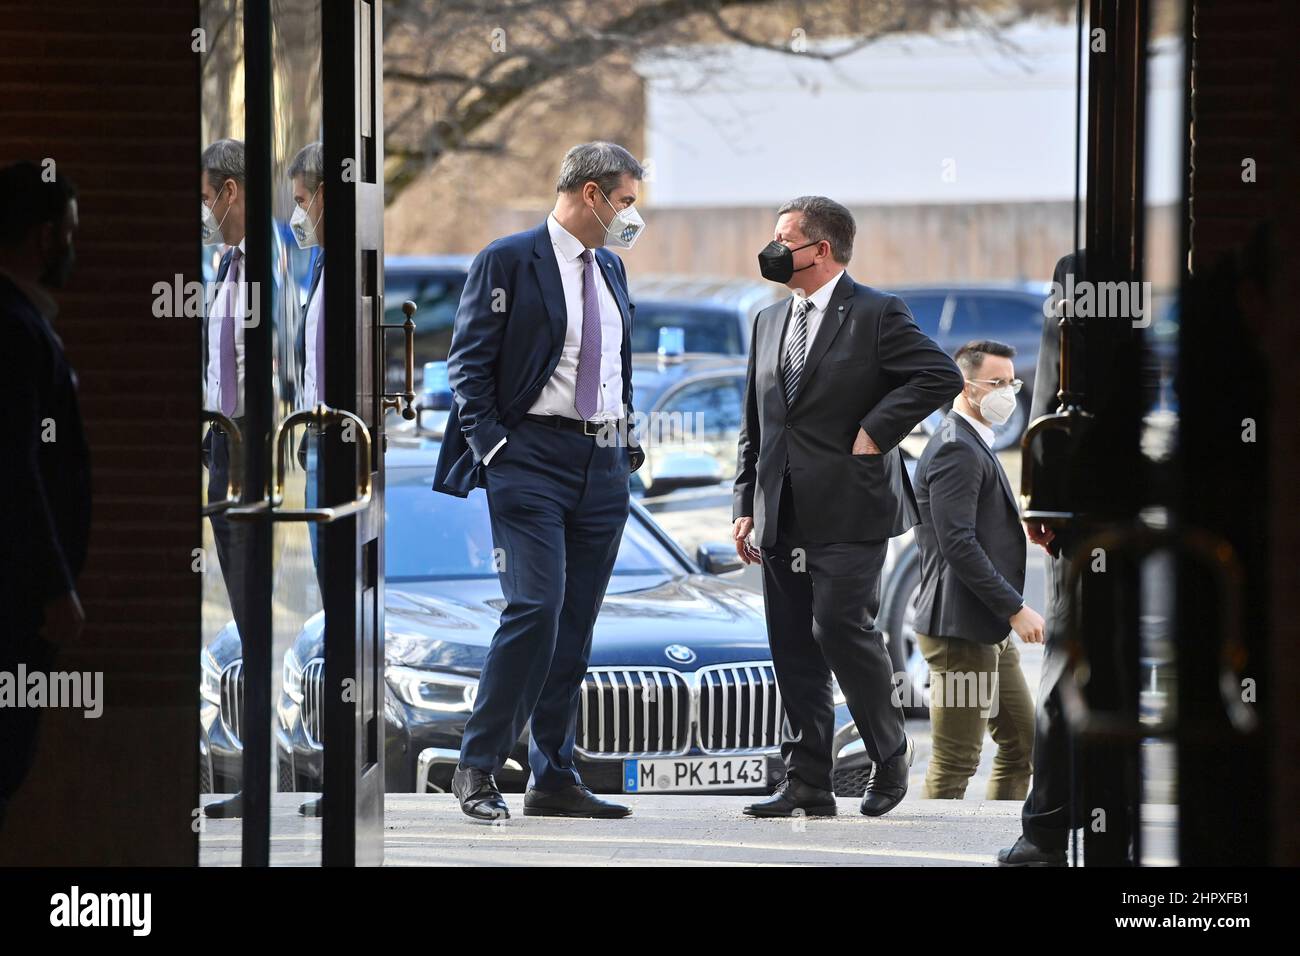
x: 839, y: 374
x: 973, y: 553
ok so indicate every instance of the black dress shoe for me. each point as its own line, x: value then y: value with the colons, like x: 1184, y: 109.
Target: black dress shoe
x: 793, y: 797
x: 887, y: 782
x: 574, y: 801
x: 1025, y: 853
x: 478, y: 795
x: 226, y: 809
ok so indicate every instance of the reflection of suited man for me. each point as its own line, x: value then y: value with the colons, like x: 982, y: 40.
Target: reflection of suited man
x: 1045, y: 819
x: 311, y: 360
x: 222, y: 181
x: 307, y: 175
x: 541, y: 353
x: 838, y: 376
x: 44, y: 461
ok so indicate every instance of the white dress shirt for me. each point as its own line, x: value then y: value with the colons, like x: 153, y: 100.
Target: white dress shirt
x: 558, y: 393
x: 983, y: 430
x: 217, y: 312
x: 817, y: 303
x: 315, y: 310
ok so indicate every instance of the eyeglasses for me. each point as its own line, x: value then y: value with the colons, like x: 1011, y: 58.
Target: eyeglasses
x: 1014, y: 383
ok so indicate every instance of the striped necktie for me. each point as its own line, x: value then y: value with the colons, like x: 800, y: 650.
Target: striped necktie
x: 795, y: 348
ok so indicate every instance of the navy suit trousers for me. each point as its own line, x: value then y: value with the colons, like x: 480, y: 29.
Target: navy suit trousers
x: 558, y: 501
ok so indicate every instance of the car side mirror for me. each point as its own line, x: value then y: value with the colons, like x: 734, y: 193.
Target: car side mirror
x: 718, y: 558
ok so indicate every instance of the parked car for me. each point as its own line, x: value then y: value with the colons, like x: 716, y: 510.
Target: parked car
x: 953, y: 315
x: 715, y: 315
x: 680, y: 695
x: 434, y: 284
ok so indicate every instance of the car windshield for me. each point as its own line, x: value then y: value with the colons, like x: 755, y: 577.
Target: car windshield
x: 707, y: 328
x: 432, y: 536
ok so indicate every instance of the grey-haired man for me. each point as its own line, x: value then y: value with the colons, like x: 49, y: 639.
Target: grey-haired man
x: 540, y: 367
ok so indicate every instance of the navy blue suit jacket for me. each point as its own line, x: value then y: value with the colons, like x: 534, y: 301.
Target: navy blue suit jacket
x: 505, y: 345
x: 44, y: 485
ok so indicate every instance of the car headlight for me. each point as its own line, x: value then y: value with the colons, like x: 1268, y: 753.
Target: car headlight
x: 837, y: 695
x: 209, y: 678
x: 292, y: 676
x: 433, y: 690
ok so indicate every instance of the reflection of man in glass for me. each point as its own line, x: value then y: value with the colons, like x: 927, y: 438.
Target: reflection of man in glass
x: 308, y: 224
x: 222, y: 184
x: 44, y: 458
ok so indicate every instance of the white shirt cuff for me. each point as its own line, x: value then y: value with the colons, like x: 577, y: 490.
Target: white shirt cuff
x: 487, y: 459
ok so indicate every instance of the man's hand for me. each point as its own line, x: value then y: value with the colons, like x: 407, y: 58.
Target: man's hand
x: 1039, y: 533
x: 740, y: 530
x: 1029, y: 624
x: 64, y: 619
x: 863, y: 445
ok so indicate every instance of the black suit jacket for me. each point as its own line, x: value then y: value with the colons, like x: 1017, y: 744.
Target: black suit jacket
x: 505, y: 345
x: 44, y: 484
x: 869, y: 367
x: 971, y: 542
x: 222, y: 268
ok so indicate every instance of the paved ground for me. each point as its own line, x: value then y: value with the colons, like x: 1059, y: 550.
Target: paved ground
x: 688, y: 830
x: 429, y: 830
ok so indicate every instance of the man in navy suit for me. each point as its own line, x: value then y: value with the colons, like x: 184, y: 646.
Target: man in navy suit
x: 44, y: 459
x: 541, y: 372
x: 222, y: 215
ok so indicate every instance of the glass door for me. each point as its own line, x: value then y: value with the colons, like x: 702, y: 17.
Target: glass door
x: 293, y: 671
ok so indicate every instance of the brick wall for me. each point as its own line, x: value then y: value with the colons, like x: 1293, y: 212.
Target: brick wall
x: 1247, y: 72
x: 110, y: 92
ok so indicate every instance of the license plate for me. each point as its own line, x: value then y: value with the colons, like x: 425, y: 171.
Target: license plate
x: 686, y: 774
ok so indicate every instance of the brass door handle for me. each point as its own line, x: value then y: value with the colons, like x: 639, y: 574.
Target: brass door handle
x: 403, y: 401
x: 320, y: 416
x: 235, y: 470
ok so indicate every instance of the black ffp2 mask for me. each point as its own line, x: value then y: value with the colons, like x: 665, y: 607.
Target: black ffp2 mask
x: 776, y: 261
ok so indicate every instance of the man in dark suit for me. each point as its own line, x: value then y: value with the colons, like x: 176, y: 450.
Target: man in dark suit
x: 307, y: 176
x: 44, y: 460
x: 540, y: 368
x: 972, y: 580
x: 1048, y: 814
x: 839, y: 374
x: 221, y: 184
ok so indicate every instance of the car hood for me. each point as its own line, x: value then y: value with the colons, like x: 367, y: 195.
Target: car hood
x: 448, y: 625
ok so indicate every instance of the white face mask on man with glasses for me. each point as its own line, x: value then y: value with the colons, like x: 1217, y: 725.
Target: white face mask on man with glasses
x: 999, y: 399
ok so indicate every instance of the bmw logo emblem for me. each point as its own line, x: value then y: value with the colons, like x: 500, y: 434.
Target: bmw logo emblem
x: 679, y: 653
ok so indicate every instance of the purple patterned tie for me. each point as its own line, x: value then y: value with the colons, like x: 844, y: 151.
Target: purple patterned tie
x: 229, y: 375
x: 587, y: 387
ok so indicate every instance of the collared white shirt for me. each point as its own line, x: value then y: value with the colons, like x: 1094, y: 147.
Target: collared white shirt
x: 315, y: 316
x: 981, y: 429
x: 817, y: 303
x: 212, y: 379
x: 558, y: 393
